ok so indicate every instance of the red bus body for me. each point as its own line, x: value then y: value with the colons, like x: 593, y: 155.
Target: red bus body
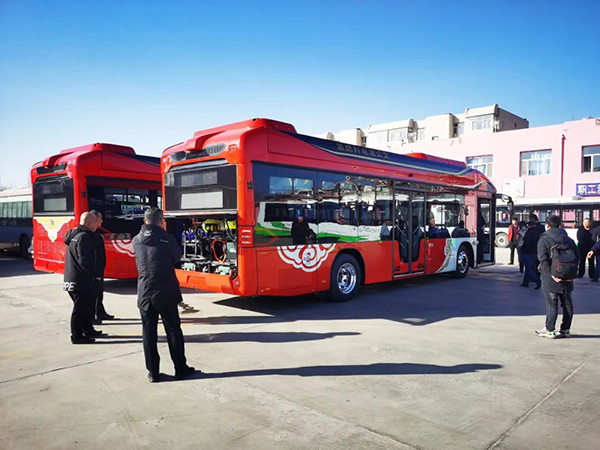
x: 106, y: 177
x: 263, y: 264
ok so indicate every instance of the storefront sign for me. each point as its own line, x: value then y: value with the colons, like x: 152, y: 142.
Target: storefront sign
x: 588, y: 189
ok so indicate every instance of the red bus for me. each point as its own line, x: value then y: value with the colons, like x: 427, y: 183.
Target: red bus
x: 112, y: 179
x: 262, y: 210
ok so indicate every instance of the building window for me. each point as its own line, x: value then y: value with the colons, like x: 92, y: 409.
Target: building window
x: 481, y: 122
x: 420, y: 134
x: 536, y: 163
x: 481, y: 163
x: 459, y: 129
x: 397, y: 135
x: 435, y: 138
x: 591, y: 159
x: 363, y: 141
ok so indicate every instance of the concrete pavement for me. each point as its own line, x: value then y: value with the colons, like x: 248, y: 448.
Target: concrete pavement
x: 433, y: 363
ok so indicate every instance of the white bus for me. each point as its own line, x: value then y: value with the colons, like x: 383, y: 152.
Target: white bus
x: 572, y: 211
x: 16, y: 226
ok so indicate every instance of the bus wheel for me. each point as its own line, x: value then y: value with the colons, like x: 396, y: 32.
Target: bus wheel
x: 502, y: 240
x: 24, y: 247
x: 345, y: 279
x: 462, y: 263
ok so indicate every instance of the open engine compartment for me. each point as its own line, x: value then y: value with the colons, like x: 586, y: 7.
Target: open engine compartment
x: 209, y: 244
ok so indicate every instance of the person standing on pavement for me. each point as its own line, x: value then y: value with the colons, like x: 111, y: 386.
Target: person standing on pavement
x: 529, y: 253
x: 595, y: 253
x: 555, y: 290
x: 80, y: 278
x: 100, y: 313
x: 513, y: 239
x: 156, y: 253
x: 584, y: 245
x: 521, y: 235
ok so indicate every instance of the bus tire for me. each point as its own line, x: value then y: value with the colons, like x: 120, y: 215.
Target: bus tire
x: 462, y: 262
x: 501, y: 240
x: 24, y: 247
x: 345, y: 278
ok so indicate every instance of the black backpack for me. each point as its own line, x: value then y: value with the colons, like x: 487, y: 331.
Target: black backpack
x: 564, y: 262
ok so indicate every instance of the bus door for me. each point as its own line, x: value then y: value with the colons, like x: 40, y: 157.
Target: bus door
x: 485, y: 230
x: 408, y: 232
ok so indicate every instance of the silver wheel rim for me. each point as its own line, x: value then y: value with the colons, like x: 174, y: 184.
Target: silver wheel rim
x: 502, y: 240
x: 462, y: 261
x: 346, y: 278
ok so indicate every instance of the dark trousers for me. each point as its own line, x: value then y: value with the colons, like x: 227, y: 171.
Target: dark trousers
x: 83, y: 312
x: 172, y: 324
x: 512, y: 246
x: 552, y: 301
x: 582, y: 260
x: 520, y: 255
x: 100, y: 311
x: 597, y: 271
x: 530, y: 273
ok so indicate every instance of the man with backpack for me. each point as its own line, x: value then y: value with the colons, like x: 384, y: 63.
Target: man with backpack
x: 559, y: 260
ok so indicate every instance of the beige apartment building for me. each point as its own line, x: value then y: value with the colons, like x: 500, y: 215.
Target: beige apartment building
x: 487, y: 119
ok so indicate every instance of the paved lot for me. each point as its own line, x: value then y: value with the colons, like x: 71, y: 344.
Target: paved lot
x: 434, y: 363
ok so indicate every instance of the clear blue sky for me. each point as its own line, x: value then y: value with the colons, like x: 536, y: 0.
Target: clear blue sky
x: 150, y: 73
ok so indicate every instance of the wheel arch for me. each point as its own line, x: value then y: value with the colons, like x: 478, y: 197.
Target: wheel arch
x: 356, y: 254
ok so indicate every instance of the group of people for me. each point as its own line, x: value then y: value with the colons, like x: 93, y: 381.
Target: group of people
x: 85, y: 261
x: 538, y: 248
x: 156, y: 253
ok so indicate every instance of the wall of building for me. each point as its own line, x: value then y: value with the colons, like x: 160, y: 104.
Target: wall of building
x: 506, y: 148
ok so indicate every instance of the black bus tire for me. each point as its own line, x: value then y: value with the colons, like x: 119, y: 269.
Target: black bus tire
x: 345, y: 279
x: 462, y: 262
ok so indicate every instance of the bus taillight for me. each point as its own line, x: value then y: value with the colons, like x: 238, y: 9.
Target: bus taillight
x: 246, y: 236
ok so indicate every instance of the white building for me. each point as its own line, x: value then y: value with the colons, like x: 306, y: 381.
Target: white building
x: 488, y: 119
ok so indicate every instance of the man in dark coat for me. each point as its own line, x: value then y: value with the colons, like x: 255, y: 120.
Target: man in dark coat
x: 300, y: 231
x: 80, y: 278
x: 584, y: 245
x: 100, y: 312
x: 595, y: 253
x: 529, y: 254
x: 555, y: 290
x: 156, y: 253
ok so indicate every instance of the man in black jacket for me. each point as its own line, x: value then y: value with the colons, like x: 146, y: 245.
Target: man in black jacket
x: 555, y: 290
x: 80, y: 278
x: 595, y: 253
x: 100, y: 313
x: 529, y: 254
x: 584, y: 245
x: 156, y: 253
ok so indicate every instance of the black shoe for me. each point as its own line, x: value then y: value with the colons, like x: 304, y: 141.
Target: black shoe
x: 106, y: 316
x: 511, y: 264
x: 94, y: 333
x: 153, y: 377
x: 538, y: 286
x: 524, y: 285
x: 97, y: 321
x: 594, y: 280
x: 82, y: 340
x: 188, y: 371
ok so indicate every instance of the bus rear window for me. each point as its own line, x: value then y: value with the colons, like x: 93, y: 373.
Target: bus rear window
x: 190, y: 188
x: 53, y: 196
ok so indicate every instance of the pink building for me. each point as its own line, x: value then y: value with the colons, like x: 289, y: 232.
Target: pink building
x: 551, y: 165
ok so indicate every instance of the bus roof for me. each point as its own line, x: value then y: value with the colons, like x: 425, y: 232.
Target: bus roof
x: 15, y: 192
x: 211, y: 142
x: 58, y: 162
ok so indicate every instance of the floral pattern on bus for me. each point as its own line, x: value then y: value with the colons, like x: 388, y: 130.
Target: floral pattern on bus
x: 122, y: 245
x: 306, y: 257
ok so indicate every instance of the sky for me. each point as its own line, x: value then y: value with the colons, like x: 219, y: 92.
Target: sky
x: 148, y: 74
